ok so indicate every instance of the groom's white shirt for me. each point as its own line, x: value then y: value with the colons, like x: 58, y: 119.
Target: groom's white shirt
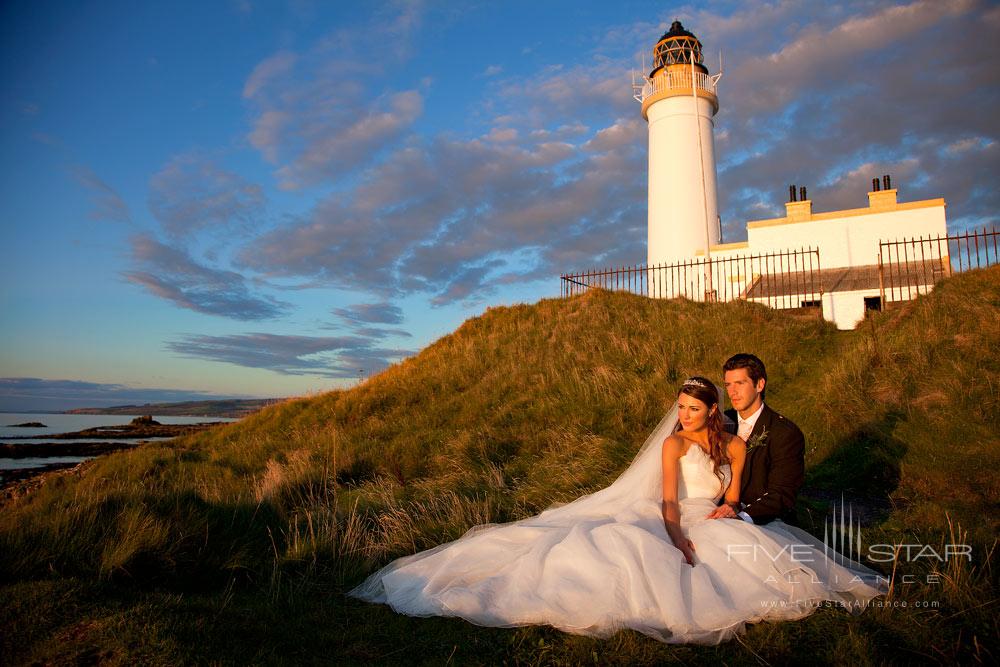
x: 744, y: 428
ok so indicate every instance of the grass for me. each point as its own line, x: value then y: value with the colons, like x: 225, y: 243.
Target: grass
x: 236, y: 545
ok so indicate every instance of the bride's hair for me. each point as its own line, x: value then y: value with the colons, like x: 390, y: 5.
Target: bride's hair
x: 705, y: 391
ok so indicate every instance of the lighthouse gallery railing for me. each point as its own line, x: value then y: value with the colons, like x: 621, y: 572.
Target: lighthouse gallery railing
x: 676, y: 79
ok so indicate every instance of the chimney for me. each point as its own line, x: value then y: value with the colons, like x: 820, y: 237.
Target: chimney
x: 884, y: 199
x: 798, y: 210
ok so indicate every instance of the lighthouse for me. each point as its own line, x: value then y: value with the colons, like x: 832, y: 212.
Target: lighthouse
x: 679, y: 103
x: 844, y: 263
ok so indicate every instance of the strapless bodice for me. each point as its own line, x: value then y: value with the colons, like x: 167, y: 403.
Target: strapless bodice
x: 697, y: 479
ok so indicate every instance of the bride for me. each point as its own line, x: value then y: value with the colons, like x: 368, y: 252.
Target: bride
x: 639, y: 554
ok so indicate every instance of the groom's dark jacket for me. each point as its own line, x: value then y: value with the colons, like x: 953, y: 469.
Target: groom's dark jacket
x: 774, y: 469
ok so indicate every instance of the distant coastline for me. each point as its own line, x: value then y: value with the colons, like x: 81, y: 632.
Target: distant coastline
x: 26, y: 460
x: 223, y: 408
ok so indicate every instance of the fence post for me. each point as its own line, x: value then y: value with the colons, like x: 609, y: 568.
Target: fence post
x: 819, y: 272
x: 881, y: 278
x: 923, y: 265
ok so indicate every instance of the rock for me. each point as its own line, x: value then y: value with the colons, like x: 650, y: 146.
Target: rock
x: 145, y: 420
x: 28, y: 425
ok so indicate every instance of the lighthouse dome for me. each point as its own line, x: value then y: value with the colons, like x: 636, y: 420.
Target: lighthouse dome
x: 676, y: 30
x: 677, y: 46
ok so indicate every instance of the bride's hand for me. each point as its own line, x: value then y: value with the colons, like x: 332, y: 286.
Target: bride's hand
x: 723, y: 511
x: 687, y: 548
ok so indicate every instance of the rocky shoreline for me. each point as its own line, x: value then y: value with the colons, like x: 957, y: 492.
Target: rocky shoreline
x: 43, y: 450
x: 89, y: 442
x: 17, y: 483
x: 130, y: 431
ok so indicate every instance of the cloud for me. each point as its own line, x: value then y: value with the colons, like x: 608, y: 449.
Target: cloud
x: 268, y: 133
x: 598, y: 90
x: 279, y: 64
x: 502, y: 134
x: 371, y: 313
x: 492, y: 70
x: 377, y: 332
x: 316, y: 116
x: 335, y: 149
x: 968, y: 144
x: 171, y: 274
x: 466, y: 280
x: 565, y: 132
x: 623, y: 134
x: 332, y: 357
x: 191, y: 193
x: 447, y: 216
x: 106, y: 203
x: 822, y: 51
x: 360, y: 316
x: 242, y: 6
x: 403, y: 18
x: 19, y: 394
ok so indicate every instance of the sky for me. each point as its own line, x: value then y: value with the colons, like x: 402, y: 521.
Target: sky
x: 267, y: 199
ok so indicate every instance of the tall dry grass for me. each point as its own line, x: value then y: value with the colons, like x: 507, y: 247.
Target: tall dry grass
x: 525, y: 406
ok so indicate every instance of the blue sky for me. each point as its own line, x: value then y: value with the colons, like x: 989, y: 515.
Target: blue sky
x: 262, y: 198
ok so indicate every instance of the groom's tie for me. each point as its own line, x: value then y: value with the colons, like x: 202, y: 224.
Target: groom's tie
x: 744, y: 429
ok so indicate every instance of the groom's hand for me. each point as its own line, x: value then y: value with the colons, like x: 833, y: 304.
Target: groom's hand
x: 723, y: 511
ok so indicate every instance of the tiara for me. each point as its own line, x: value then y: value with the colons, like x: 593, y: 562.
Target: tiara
x: 694, y: 382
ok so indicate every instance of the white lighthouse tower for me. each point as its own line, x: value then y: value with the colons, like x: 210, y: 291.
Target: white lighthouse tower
x: 679, y: 102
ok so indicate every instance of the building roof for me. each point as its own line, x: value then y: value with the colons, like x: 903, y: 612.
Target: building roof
x: 810, y: 216
x: 847, y: 279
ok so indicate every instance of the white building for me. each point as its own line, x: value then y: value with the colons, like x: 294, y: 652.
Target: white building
x: 848, y: 244
x: 679, y: 100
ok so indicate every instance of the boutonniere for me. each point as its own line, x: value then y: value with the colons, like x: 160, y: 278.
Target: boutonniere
x: 759, y: 440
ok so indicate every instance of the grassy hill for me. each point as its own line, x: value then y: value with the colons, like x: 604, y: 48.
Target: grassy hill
x: 236, y: 545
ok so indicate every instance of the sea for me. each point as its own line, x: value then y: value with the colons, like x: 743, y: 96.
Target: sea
x: 62, y: 423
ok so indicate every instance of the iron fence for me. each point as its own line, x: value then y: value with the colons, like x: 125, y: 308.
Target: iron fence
x: 787, y: 279
x: 908, y: 267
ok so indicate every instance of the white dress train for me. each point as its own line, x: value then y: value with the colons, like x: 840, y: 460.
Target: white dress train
x: 604, y: 563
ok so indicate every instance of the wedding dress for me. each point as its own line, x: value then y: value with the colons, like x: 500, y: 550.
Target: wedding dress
x: 605, y: 562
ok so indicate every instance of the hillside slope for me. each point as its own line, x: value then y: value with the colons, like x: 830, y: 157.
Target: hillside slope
x: 519, y: 408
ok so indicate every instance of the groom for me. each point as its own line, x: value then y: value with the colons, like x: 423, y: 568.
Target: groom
x: 775, y: 463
